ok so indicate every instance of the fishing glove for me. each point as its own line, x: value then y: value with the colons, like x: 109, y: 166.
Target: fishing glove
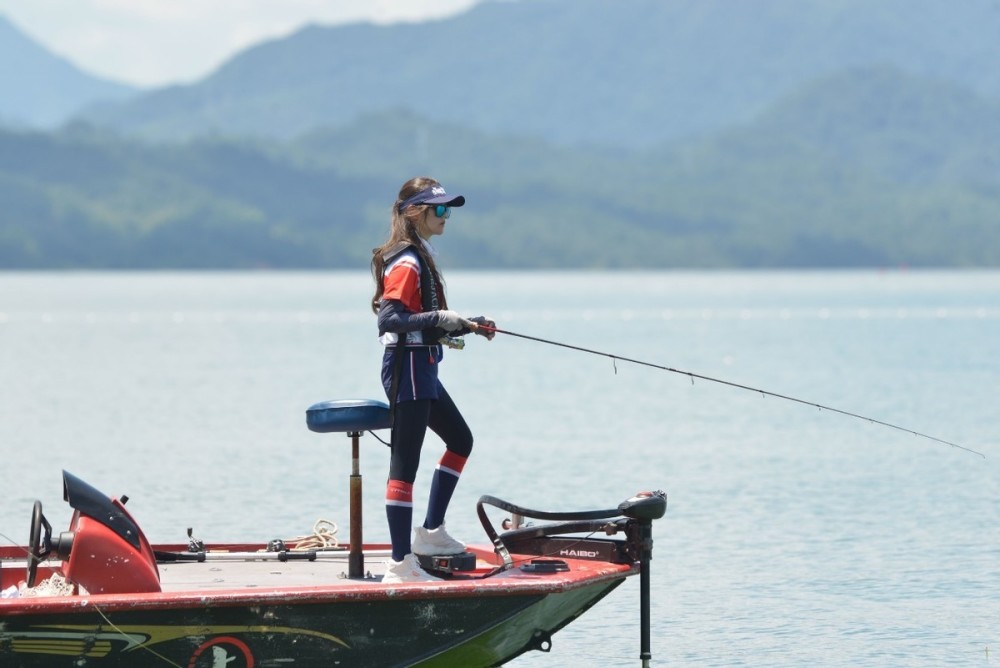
x: 483, y: 321
x: 450, y: 321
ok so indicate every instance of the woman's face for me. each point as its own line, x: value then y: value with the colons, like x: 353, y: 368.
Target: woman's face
x: 430, y: 224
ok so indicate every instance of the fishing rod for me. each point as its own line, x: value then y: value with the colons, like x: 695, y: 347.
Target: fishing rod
x: 699, y: 376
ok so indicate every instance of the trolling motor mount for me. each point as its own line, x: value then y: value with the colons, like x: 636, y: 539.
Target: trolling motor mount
x: 634, y: 516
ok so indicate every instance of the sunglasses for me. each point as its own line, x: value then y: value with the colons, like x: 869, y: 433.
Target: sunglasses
x: 442, y: 211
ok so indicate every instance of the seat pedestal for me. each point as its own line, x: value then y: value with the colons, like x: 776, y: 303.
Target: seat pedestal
x: 351, y: 417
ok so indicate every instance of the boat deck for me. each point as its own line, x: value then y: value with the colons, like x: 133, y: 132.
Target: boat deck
x: 222, y: 571
x: 241, y: 574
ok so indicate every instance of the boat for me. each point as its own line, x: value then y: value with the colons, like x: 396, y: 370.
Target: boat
x: 100, y: 594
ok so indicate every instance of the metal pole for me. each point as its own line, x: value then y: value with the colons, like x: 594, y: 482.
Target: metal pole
x: 645, y: 556
x: 356, y: 559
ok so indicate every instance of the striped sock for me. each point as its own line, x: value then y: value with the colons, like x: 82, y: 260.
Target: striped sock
x: 442, y: 486
x: 399, y: 512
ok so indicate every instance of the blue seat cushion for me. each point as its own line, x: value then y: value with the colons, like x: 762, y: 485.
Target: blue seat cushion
x: 347, y: 415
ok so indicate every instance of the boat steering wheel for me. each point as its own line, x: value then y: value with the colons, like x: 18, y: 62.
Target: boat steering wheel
x: 38, y: 548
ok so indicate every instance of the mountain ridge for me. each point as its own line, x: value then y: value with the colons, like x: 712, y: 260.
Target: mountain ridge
x: 772, y: 193
x: 558, y: 71
x: 44, y: 90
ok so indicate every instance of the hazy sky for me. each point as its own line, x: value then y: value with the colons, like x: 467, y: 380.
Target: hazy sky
x: 156, y: 42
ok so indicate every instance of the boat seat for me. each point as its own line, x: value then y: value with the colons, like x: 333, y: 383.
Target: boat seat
x: 351, y: 417
x: 347, y: 416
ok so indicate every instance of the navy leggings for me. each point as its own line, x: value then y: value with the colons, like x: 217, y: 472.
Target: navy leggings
x: 410, y: 424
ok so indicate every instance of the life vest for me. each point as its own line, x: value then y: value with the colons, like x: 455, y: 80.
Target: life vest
x: 429, y: 297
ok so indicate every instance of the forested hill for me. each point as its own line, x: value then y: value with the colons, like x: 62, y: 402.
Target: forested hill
x: 585, y: 134
x: 867, y: 167
x: 617, y: 73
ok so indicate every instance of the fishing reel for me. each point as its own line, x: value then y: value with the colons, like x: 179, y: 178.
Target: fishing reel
x: 453, y: 342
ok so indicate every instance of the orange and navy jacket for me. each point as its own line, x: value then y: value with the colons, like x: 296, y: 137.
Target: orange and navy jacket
x: 404, y: 307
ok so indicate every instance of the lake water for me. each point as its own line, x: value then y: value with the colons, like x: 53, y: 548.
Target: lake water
x: 794, y: 536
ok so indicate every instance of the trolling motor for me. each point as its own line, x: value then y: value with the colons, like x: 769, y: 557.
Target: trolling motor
x: 633, y: 517
x: 644, y: 508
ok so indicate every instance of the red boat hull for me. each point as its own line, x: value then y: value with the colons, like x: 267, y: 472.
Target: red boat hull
x: 101, y: 595
x: 456, y: 622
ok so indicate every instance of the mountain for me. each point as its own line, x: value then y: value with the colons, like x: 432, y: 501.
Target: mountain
x: 627, y: 74
x: 82, y: 198
x: 41, y: 90
x: 871, y: 167
x: 909, y: 129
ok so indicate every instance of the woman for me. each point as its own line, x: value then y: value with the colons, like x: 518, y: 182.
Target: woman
x: 413, y: 320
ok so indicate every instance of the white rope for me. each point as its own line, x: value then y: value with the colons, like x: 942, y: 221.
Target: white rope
x: 323, y: 538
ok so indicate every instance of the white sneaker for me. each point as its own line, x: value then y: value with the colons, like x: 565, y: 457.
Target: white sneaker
x: 407, y: 570
x: 433, y: 542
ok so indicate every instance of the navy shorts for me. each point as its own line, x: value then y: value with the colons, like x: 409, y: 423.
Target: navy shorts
x: 418, y: 379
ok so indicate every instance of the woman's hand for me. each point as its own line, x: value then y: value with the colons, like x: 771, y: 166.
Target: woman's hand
x: 450, y: 321
x: 483, y: 326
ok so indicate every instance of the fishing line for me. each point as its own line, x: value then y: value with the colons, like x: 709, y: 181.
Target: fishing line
x: 129, y: 638
x: 764, y: 393
x: 16, y: 544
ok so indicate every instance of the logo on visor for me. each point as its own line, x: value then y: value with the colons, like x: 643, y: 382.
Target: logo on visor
x: 438, y: 190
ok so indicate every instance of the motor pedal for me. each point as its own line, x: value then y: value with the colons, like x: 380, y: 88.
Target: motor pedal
x: 447, y: 563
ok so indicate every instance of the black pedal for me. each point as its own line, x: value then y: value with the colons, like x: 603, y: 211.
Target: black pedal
x: 448, y: 563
